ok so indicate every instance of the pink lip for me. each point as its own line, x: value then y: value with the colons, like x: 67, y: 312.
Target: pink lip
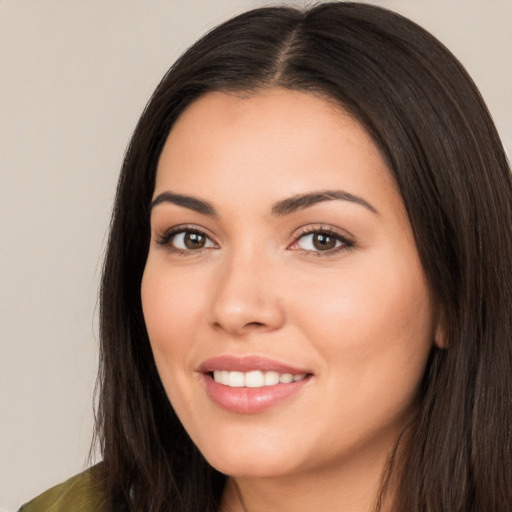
x: 249, y: 400
x: 248, y: 363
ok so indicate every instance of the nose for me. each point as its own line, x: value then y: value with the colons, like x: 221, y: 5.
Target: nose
x: 246, y: 297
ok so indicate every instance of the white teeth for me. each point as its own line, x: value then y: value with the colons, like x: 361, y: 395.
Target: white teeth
x: 271, y: 378
x: 221, y: 376
x: 254, y: 379
x: 236, y: 380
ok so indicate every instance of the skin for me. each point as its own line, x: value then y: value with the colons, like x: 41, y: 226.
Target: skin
x: 359, y: 319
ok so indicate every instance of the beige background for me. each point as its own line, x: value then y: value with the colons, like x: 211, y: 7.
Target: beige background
x: 74, y: 77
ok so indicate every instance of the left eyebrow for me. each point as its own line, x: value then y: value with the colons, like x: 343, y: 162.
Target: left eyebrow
x: 303, y: 201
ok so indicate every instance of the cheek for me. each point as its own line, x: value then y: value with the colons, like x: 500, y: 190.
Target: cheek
x: 355, y: 301
x: 373, y: 325
x: 171, y: 307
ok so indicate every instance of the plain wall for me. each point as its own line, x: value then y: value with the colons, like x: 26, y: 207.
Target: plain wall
x: 74, y: 77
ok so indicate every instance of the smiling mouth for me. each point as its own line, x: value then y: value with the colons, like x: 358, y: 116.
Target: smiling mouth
x: 251, y: 384
x: 254, y: 379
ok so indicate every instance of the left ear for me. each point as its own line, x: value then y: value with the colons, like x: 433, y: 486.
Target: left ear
x: 440, y: 340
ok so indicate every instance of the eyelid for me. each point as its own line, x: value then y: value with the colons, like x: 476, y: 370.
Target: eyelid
x: 165, y: 237
x: 347, y: 240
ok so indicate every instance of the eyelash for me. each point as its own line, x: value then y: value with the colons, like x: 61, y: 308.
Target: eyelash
x: 345, y: 243
x: 166, y: 238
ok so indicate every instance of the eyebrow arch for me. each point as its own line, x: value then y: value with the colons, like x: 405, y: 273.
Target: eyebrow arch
x: 192, y: 203
x: 303, y: 201
x: 279, y: 209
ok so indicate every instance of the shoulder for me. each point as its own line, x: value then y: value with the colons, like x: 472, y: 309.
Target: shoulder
x: 82, y: 493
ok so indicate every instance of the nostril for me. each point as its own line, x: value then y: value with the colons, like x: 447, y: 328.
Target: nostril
x: 255, y: 324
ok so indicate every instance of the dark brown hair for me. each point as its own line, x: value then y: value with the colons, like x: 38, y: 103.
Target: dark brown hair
x: 427, y: 117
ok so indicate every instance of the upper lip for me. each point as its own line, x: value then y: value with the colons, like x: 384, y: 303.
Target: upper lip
x: 247, y: 364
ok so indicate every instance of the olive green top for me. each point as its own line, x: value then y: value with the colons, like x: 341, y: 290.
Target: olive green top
x: 78, y: 494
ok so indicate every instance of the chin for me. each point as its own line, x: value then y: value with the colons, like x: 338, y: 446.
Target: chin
x: 258, y: 467
x: 251, y: 459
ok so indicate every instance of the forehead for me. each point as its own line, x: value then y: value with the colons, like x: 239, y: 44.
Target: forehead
x: 277, y: 142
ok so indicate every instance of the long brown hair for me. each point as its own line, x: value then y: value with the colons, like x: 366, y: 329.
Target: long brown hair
x: 427, y: 117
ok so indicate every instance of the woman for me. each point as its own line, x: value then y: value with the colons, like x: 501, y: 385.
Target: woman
x: 305, y: 301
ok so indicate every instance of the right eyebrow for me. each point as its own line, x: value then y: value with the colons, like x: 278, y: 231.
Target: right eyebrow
x: 303, y: 201
x: 192, y: 203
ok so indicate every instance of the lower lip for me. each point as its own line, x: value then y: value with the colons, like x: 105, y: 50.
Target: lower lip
x: 250, y: 400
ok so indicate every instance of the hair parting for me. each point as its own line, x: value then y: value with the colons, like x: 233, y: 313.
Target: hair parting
x: 428, y: 119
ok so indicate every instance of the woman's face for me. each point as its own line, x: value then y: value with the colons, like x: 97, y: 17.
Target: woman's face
x: 288, y: 312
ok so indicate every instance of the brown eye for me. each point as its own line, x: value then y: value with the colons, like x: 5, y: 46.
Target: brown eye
x: 190, y: 241
x: 321, y: 241
x: 194, y: 240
